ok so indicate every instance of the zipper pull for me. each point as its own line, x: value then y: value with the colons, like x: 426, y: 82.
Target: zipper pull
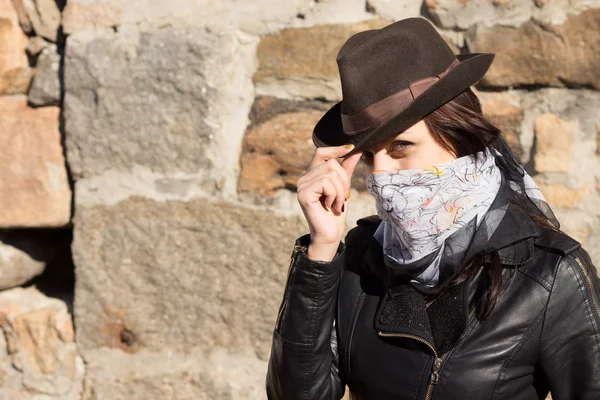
x: 435, y: 376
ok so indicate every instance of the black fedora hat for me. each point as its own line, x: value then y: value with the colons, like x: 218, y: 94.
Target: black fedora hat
x: 391, y: 79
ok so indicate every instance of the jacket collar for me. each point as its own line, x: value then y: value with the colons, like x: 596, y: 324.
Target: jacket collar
x: 402, y: 310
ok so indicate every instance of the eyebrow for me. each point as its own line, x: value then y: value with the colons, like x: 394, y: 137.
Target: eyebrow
x: 391, y: 139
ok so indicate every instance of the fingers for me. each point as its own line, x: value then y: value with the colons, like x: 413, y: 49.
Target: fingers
x: 324, y: 189
x: 326, y: 180
x: 350, y: 163
x: 323, y: 154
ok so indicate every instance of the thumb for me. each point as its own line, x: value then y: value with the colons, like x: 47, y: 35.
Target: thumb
x: 350, y: 162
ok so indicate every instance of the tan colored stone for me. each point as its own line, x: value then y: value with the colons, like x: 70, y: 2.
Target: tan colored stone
x: 278, y: 147
x: 37, y: 337
x: 503, y: 3
x: 23, y: 16
x: 554, y: 143
x: 38, y: 360
x: 226, y: 262
x: 562, y: 196
x: 45, y: 17
x: 542, y: 54
x: 292, y: 52
x: 77, y: 16
x: 222, y: 375
x: 34, y: 191
x: 41, y: 15
x: 36, y: 45
x: 598, y: 139
x: 505, y: 112
x: 15, y: 74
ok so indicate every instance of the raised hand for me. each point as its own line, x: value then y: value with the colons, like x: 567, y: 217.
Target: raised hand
x: 323, y: 192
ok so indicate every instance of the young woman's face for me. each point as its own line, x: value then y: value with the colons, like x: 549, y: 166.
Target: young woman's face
x: 413, y: 148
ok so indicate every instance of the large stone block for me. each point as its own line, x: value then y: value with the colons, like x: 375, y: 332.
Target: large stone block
x: 115, y: 375
x: 15, y: 74
x: 38, y: 357
x: 278, y: 145
x: 254, y: 17
x: 291, y: 65
x: 554, y: 143
x: 175, y: 275
x: 170, y: 102
x: 542, y: 54
x: 291, y: 56
x: 34, y: 189
x: 562, y: 196
x: 505, y: 111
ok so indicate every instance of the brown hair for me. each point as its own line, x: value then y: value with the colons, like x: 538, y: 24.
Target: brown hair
x: 460, y: 127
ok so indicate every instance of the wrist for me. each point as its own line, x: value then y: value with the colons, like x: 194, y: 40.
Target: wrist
x: 322, y: 251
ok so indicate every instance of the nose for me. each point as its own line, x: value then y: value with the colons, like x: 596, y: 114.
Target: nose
x: 383, y: 162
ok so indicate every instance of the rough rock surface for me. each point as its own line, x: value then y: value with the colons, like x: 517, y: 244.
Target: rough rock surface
x: 461, y: 14
x: 23, y: 256
x: 15, y: 73
x: 554, y: 143
x: 278, y: 145
x: 115, y: 375
x: 562, y: 196
x: 39, y: 16
x: 174, y: 275
x: 45, y: 88
x: 505, y: 111
x: 166, y: 101
x: 34, y: 189
x: 290, y: 65
x: 542, y: 54
x: 38, y: 357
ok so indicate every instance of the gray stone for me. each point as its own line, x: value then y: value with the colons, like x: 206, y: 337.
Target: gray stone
x: 114, y: 375
x: 170, y: 101
x: 45, y: 88
x: 462, y: 14
x: 174, y: 275
x: 23, y: 256
x: 395, y: 10
x: 254, y: 17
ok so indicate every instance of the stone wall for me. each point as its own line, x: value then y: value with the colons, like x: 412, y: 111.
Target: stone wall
x: 185, y: 127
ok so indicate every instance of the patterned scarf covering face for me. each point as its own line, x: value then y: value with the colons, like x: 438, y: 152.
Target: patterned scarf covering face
x: 421, y: 208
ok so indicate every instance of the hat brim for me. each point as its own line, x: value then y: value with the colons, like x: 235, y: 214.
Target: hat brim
x: 472, y: 67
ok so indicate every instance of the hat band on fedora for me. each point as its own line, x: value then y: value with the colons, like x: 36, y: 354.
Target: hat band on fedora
x: 379, y: 113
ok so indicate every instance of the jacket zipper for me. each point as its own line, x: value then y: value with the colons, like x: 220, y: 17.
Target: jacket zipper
x: 297, y: 249
x: 588, y: 278
x: 438, y: 362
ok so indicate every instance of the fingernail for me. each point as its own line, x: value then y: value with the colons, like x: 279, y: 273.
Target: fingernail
x: 348, y: 195
x: 349, y: 146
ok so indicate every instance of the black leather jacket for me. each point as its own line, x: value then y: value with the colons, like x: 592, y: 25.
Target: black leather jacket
x: 542, y: 336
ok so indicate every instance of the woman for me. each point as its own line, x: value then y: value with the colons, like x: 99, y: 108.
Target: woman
x: 462, y: 287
